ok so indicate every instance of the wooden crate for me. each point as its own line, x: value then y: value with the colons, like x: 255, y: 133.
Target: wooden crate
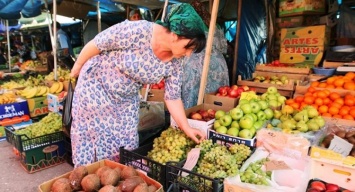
x: 287, y: 70
x: 285, y: 90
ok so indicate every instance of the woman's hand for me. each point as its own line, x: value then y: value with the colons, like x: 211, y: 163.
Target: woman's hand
x: 75, y: 71
x: 195, y: 134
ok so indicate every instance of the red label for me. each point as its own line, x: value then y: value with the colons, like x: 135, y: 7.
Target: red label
x: 301, y: 41
x: 40, y: 111
x: 302, y: 50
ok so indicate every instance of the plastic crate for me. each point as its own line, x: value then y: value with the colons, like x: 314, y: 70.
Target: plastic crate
x: 139, y: 160
x: 23, y: 143
x: 195, y: 182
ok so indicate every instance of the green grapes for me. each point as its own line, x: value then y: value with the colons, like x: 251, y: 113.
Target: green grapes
x: 255, y: 174
x: 172, y: 145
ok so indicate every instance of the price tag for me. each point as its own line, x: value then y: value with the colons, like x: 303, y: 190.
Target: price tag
x: 275, y: 165
x: 248, y: 95
x: 191, y: 161
x: 340, y: 145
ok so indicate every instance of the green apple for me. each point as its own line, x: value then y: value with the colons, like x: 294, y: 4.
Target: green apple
x: 219, y: 114
x: 259, y: 124
x: 246, y: 123
x: 263, y: 104
x: 236, y: 113
x: 269, y: 113
x: 272, y: 90
x: 233, y: 131
x: 301, y: 116
x: 271, y: 97
x: 235, y: 124
x: 264, y: 96
x: 226, y: 120
x: 261, y: 115
x: 255, y: 107
x: 251, y: 116
x: 273, y: 103
x: 281, y: 99
x: 246, y: 108
x: 216, y: 124
x: 245, y: 133
x: 252, y: 131
x: 255, y: 117
x: 222, y: 130
x: 242, y: 101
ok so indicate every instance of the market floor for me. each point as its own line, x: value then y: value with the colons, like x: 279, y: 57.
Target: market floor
x: 14, y: 178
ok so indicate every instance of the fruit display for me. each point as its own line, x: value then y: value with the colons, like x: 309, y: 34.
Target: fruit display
x: 290, y: 120
x: 12, y: 85
x: 49, y: 124
x: 30, y: 92
x: 283, y: 80
x: 62, y: 75
x: 348, y: 135
x: 316, y: 185
x: 276, y: 63
x: 328, y: 104
x: 256, y: 174
x: 7, y: 98
x: 273, y: 97
x: 104, y: 179
x: 203, y: 115
x: 346, y: 82
x: 171, y: 145
x: 233, y: 91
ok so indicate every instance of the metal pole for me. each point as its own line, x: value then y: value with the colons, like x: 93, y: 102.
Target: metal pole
x: 54, y: 45
x: 8, y: 45
x: 98, y: 17
x: 206, y: 62
x: 235, y: 63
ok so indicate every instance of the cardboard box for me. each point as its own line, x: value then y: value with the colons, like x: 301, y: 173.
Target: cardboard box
x: 154, y: 95
x: 151, y: 115
x: 201, y: 125
x: 287, y: 70
x: 301, y: 7
x: 220, y: 101
x: 248, y: 142
x: 54, y: 104
x: 332, y: 167
x: 14, y: 113
x: 296, y: 21
x: 329, y: 20
x: 38, y: 106
x: 302, y: 56
x: 312, y: 36
x: 46, y: 186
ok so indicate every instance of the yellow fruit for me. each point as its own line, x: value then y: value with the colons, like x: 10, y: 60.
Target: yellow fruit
x: 54, y: 87
x: 60, y: 88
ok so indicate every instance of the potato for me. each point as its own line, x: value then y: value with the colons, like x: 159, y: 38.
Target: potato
x: 128, y: 172
x: 61, y: 185
x: 129, y: 184
x: 76, y: 176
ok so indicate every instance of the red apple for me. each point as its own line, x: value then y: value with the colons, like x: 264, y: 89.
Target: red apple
x: 211, y: 113
x: 276, y: 62
x: 204, y: 114
x: 331, y: 187
x: 155, y: 86
x: 318, y: 185
x: 223, y: 90
x: 240, y: 90
x: 195, y: 116
x: 161, y: 84
x: 233, y: 93
x: 313, y: 190
x: 234, y: 87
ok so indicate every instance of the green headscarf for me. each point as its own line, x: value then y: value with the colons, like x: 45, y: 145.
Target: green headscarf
x: 183, y: 20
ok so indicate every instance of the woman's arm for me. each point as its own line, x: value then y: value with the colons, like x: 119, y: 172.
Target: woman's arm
x: 176, y: 110
x: 86, y: 53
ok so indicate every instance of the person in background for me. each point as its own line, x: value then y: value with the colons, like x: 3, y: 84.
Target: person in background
x: 23, y: 51
x: 135, y: 15
x: 64, y: 50
x: 113, y: 67
x: 218, y: 70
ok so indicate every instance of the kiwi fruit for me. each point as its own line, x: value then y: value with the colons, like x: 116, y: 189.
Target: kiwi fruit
x: 142, y: 187
x: 101, y: 170
x: 128, y: 172
x: 61, y: 185
x: 129, y: 184
x: 76, y: 176
x: 152, y: 188
x: 91, y: 183
x: 340, y: 133
x: 109, y: 177
x: 108, y: 188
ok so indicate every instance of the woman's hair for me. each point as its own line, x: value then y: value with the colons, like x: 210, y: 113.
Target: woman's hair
x: 196, y: 41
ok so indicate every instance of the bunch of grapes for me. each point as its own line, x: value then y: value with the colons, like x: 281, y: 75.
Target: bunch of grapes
x: 172, y: 145
x: 241, y: 152
x: 255, y: 173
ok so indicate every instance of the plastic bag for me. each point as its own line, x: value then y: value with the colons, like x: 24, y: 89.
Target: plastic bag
x: 67, y: 117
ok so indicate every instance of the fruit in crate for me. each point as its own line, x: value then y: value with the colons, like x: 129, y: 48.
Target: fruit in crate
x: 12, y: 85
x: 283, y: 80
x: 171, y: 145
x: 328, y: 104
x: 290, y: 120
x: 160, y: 85
x: 316, y: 185
x: 273, y: 98
x: 256, y: 174
x: 203, y: 115
x: 56, y: 87
x: 8, y: 97
x: 347, y: 135
x: 37, y: 91
x: 346, y: 82
x: 62, y: 75
x: 233, y: 91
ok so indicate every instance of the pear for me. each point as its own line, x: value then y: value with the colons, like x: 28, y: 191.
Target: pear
x: 284, y: 117
x: 312, y: 112
x: 312, y: 125
x: 302, y: 126
x: 287, y: 110
x: 320, y: 121
x: 301, y: 116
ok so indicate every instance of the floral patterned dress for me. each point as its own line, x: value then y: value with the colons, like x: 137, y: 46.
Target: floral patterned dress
x: 106, y: 100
